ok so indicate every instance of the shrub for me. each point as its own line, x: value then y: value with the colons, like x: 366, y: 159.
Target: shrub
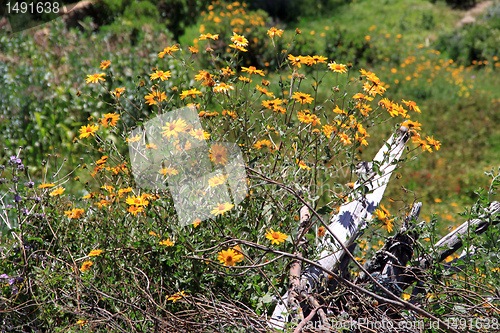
x: 130, y: 16
x: 235, y: 18
x: 461, y: 4
x: 476, y: 42
x: 41, y: 83
x: 292, y: 11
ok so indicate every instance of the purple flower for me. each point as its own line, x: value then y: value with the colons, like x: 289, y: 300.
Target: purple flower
x: 11, y: 281
x: 20, y: 167
x: 473, y: 77
x: 14, y: 160
x: 15, y: 179
x: 25, y: 211
x: 4, y: 276
x: 17, y: 198
x: 29, y: 184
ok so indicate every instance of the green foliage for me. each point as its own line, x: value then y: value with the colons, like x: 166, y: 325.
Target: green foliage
x: 293, y: 10
x: 40, y: 101
x: 473, y: 42
x: 147, y: 257
x: 225, y: 19
x: 131, y: 15
x: 27, y: 86
x: 461, y: 3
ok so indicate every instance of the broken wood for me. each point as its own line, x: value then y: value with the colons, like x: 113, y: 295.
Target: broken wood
x: 451, y: 243
x: 388, y: 272
x: 346, y: 225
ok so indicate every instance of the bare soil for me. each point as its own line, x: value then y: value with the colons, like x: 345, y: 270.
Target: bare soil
x: 471, y: 14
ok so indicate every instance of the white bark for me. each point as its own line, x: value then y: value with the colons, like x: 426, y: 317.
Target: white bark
x: 352, y: 215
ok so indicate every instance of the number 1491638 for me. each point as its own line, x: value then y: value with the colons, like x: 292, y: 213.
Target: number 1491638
x: 40, y: 7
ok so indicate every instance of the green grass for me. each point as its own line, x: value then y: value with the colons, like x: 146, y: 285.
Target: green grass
x: 465, y: 125
x: 415, y: 20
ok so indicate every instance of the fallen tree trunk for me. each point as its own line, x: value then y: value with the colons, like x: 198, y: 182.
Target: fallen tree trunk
x: 373, y: 179
x: 362, y: 292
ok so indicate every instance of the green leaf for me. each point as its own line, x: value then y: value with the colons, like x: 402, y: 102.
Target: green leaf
x: 324, y: 210
x: 267, y: 299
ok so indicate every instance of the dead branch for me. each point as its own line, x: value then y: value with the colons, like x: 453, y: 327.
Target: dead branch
x: 345, y: 226
x: 450, y: 243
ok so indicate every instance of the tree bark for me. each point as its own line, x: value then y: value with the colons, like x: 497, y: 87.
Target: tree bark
x: 373, y: 178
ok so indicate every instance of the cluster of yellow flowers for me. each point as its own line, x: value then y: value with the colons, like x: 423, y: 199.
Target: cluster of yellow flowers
x: 371, y: 88
x: 383, y: 215
x: 137, y: 203
x: 235, y: 12
x: 308, y: 60
x: 75, y: 213
x: 343, y: 125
